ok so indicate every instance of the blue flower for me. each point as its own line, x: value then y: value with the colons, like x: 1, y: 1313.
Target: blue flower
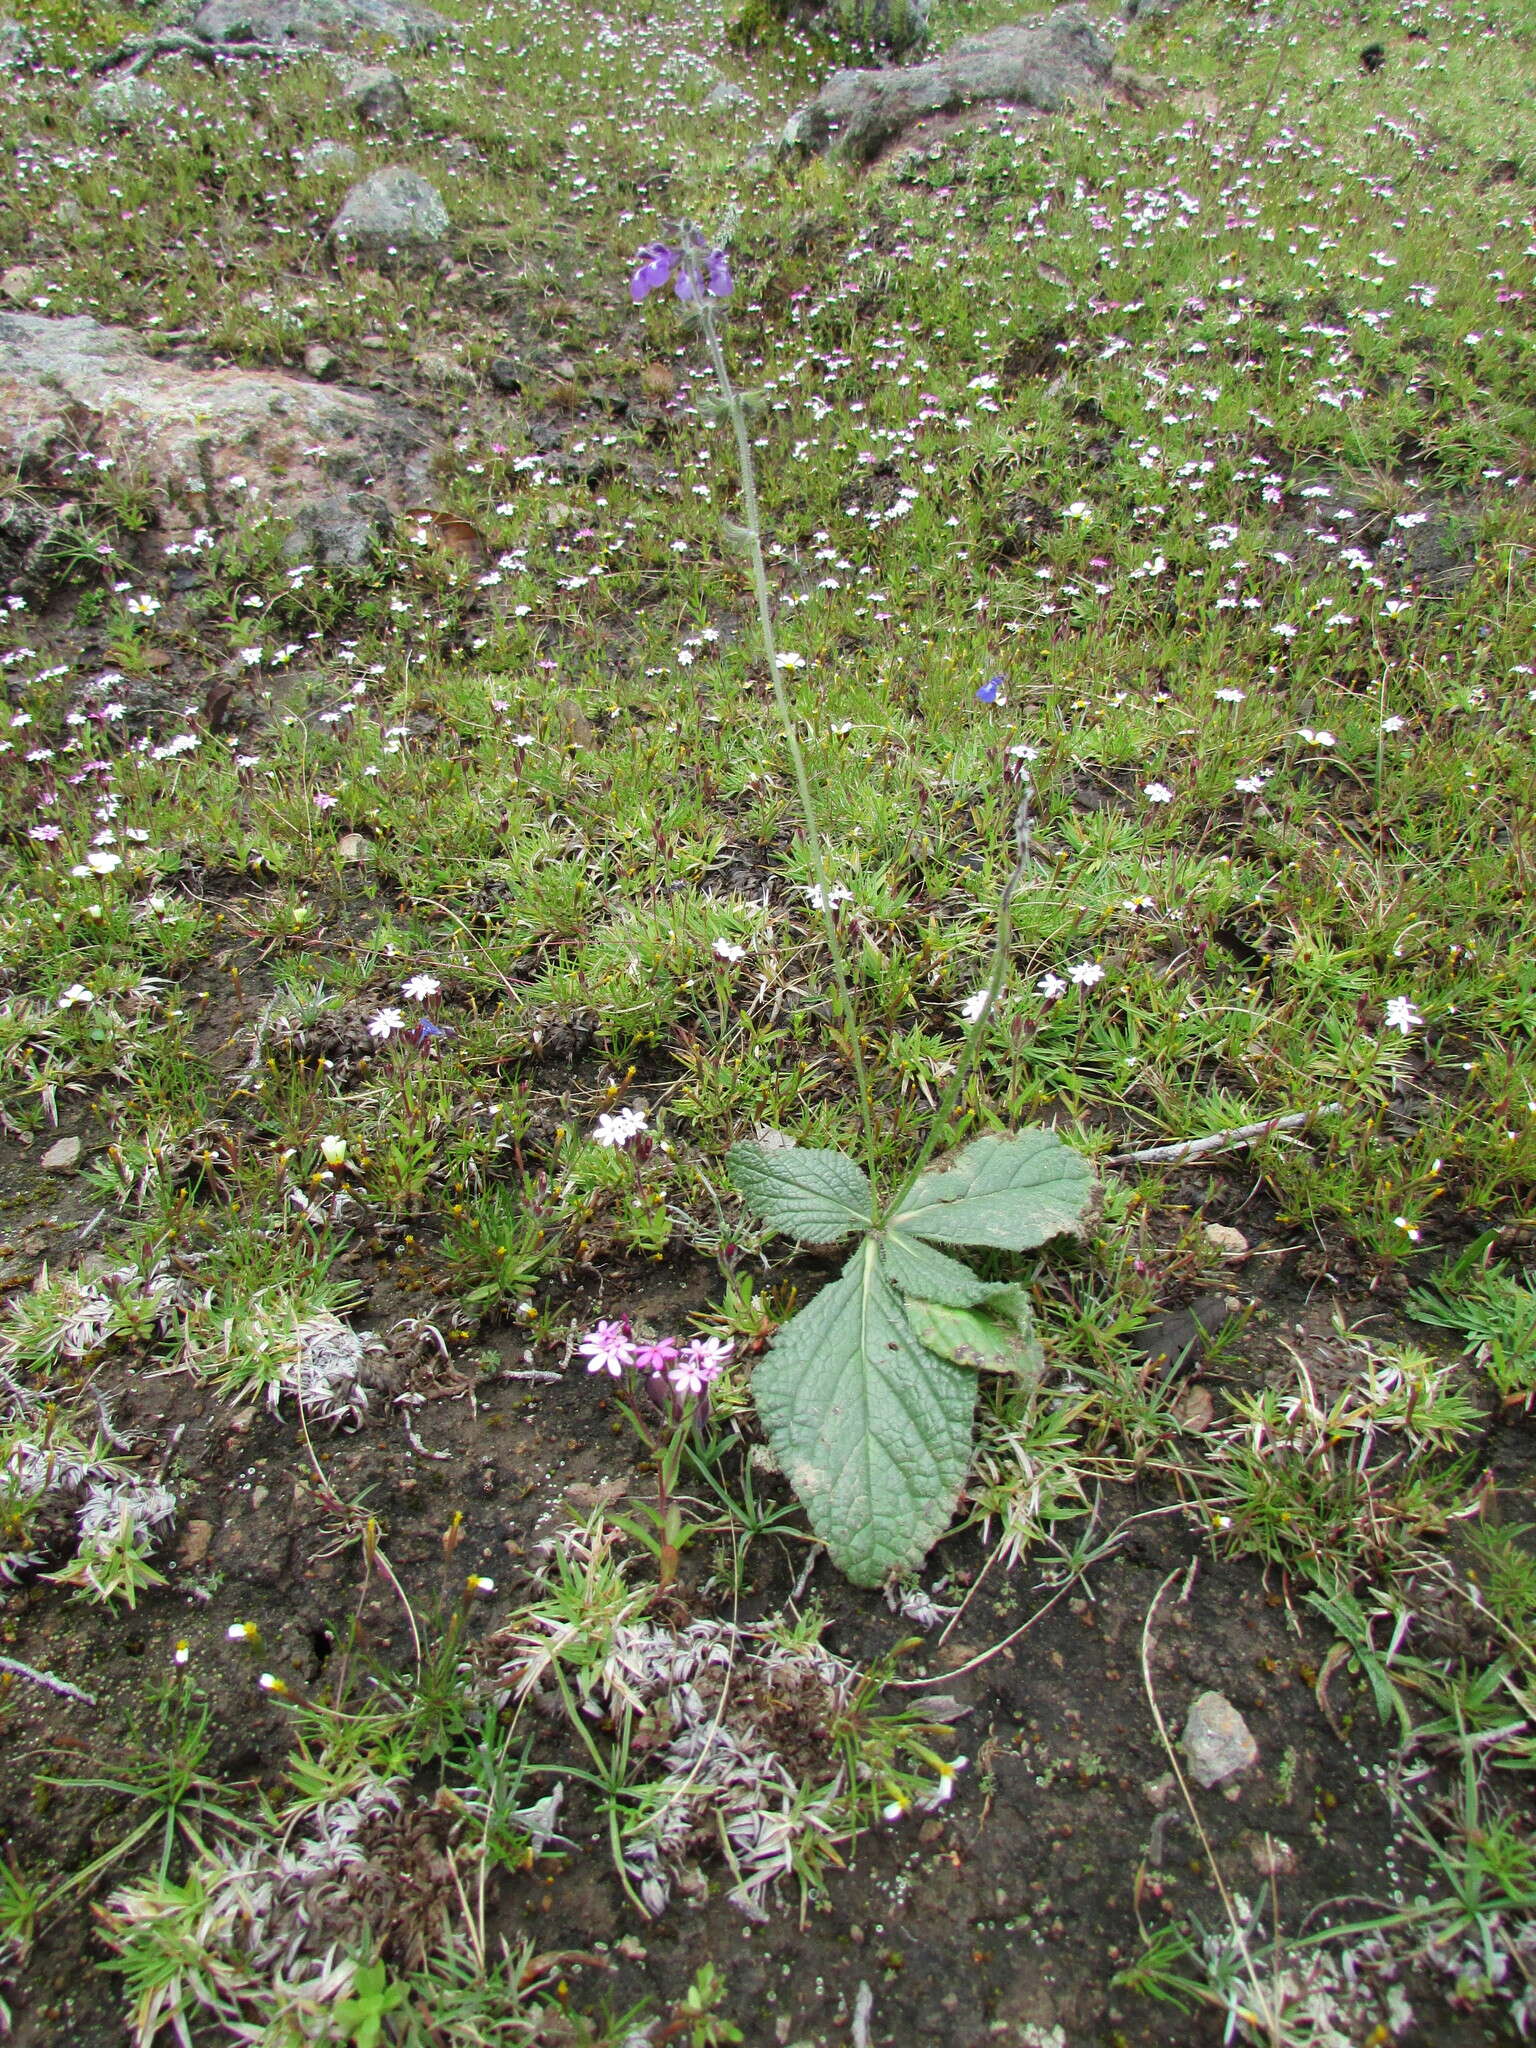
x: 991, y: 691
x: 657, y: 263
x: 660, y: 263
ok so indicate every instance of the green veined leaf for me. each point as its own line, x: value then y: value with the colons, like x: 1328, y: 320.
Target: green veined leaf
x: 872, y: 1431
x: 996, y: 1336
x: 914, y: 1268
x: 1010, y: 1192
x: 818, y: 1197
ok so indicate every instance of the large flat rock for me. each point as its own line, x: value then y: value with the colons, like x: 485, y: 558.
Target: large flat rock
x: 1042, y: 64
x: 322, y: 24
x: 210, y: 440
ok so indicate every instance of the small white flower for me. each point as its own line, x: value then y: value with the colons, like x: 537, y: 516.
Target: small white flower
x: 333, y: 1150
x: 617, y: 1129
x: 1320, y: 738
x: 1051, y: 986
x: 75, y: 994
x: 1393, y: 724
x: 420, y: 987
x: 1250, y: 785
x: 973, y: 1006
x: 836, y: 894
x: 1078, y: 509
x: 944, y: 1790
x: 1401, y: 1016
x: 727, y: 949
x: 1230, y: 696
x: 1158, y: 793
x: 791, y: 661
x: 384, y: 1024
x: 1087, y: 973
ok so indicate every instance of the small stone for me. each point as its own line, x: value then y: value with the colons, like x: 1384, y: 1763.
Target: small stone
x: 321, y: 364
x: 1195, y: 1409
x: 62, y: 1157
x: 1229, y: 1242
x: 323, y: 158
x: 439, y: 367
x: 392, y: 215
x: 373, y: 92
x: 125, y: 102
x: 728, y: 98
x: 1158, y: 1791
x: 196, y: 1541
x: 19, y: 283
x: 353, y: 846
x: 1270, y: 1856
x: 1217, y: 1741
x: 506, y: 374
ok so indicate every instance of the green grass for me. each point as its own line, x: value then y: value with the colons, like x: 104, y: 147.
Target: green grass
x: 1207, y: 424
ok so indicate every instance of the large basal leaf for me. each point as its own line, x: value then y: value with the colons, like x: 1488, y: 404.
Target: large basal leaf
x: 818, y: 1197
x: 1007, y: 1192
x: 914, y: 1268
x: 998, y: 1335
x: 872, y: 1431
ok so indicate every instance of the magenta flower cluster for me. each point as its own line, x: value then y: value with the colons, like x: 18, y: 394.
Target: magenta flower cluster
x: 685, y: 1368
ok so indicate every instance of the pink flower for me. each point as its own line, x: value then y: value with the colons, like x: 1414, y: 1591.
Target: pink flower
x: 607, y: 1347
x: 701, y: 1364
x: 657, y: 1357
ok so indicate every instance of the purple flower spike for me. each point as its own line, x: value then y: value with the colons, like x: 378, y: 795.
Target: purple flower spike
x: 716, y: 277
x: 991, y: 691
x: 657, y: 263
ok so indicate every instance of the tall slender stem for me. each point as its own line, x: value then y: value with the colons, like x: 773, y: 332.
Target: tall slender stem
x: 752, y: 526
x: 965, y: 1065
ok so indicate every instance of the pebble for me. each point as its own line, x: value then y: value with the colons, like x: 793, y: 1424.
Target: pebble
x: 62, y: 1157
x: 1217, y: 1741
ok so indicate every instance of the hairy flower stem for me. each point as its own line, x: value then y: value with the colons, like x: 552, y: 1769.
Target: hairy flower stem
x: 752, y: 537
x: 752, y: 530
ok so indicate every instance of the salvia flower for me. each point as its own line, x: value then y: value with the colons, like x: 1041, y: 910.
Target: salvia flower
x: 685, y: 269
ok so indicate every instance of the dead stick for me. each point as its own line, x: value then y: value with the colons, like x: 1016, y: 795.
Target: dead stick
x: 1218, y: 1141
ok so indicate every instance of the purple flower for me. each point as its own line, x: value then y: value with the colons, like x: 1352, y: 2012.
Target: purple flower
x: 659, y: 263
x: 715, y: 276
x: 423, y: 1031
x: 991, y: 691
x: 607, y: 1347
x: 657, y: 1357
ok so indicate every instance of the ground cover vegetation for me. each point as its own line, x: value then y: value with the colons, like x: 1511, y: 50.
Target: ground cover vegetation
x: 410, y: 1634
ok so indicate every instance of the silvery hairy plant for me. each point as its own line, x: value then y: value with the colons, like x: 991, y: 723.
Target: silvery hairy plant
x: 868, y: 1396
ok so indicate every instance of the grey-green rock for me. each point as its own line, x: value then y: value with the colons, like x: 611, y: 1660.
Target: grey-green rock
x: 394, y: 215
